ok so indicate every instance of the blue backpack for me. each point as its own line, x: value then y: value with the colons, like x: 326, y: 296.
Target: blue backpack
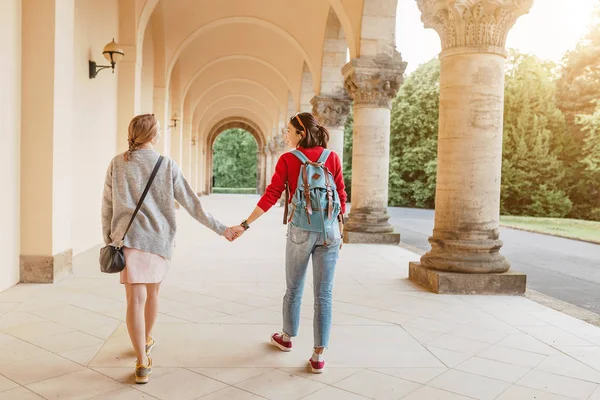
x: 316, y: 204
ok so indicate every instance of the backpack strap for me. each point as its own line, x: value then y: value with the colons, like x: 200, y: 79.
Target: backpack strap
x: 324, y: 156
x: 300, y: 156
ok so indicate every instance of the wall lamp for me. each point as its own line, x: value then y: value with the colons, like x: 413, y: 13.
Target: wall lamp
x: 174, y: 119
x: 113, y: 53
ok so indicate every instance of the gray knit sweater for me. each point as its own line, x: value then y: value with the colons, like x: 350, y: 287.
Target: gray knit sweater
x: 154, y: 226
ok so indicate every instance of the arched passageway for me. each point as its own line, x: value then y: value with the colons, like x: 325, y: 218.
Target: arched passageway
x: 235, y: 163
x: 203, y: 67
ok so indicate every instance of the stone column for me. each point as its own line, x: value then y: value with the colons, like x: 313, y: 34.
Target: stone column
x: 332, y: 113
x: 194, y: 161
x: 159, y: 106
x: 176, y: 139
x: 186, y: 150
x: 372, y: 82
x: 465, y: 256
x: 46, y: 140
x: 129, y: 94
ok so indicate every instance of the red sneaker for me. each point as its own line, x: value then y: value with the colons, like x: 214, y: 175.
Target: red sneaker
x: 317, y: 367
x: 283, y: 345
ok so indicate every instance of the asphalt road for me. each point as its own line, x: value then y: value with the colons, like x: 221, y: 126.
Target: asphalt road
x: 565, y: 269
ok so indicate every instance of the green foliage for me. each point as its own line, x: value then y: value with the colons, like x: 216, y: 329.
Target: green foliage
x: 235, y: 160
x: 347, y: 167
x: 551, y: 138
x: 534, y: 130
x: 588, y: 184
x: 413, y: 147
x: 579, y: 85
x: 219, y: 190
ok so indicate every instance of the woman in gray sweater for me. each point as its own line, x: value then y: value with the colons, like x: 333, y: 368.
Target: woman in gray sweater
x: 148, y: 244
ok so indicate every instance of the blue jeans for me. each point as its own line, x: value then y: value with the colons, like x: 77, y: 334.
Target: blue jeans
x: 300, y: 246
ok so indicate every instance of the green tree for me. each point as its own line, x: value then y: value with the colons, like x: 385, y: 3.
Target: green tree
x: 347, y: 167
x: 235, y: 159
x: 579, y: 85
x: 588, y: 185
x: 534, y: 128
x: 414, y: 131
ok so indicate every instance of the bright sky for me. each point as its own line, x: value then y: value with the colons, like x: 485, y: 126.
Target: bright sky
x: 550, y: 29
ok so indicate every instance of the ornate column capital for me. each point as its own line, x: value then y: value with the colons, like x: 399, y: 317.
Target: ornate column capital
x: 374, y: 81
x: 331, y: 111
x: 472, y: 23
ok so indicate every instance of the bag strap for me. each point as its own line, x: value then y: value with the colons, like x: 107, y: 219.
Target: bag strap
x: 324, y: 156
x: 300, y: 156
x: 139, y: 204
x: 287, y: 201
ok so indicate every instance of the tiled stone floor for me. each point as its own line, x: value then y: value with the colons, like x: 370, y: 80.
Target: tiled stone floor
x: 221, y: 301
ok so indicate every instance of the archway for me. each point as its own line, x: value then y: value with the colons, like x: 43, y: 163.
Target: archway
x: 235, y: 167
x: 243, y: 124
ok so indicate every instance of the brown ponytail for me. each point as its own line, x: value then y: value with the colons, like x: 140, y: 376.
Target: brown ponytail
x: 142, y: 130
x: 314, y: 134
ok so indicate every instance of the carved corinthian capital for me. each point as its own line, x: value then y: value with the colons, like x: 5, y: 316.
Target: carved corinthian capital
x: 472, y: 23
x: 374, y: 81
x: 331, y: 111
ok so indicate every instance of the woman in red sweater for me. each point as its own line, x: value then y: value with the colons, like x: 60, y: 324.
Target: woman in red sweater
x: 305, y: 134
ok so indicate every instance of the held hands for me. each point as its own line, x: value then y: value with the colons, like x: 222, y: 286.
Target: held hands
x: 233, y: 232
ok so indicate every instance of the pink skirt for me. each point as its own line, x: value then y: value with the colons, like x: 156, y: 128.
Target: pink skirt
x: 143, y: 267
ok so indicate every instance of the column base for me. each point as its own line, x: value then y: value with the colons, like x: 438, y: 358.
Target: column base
x: 44, y: 269
x: 507, y: 283
x: 371, y: 238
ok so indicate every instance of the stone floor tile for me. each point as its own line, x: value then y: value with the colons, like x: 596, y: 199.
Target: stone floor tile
x: 528, y: 343
x: 595, y: 395
x: 332, y: 375
x: 429, y: 393
x: 331, y: 393
x: 6, y: 384
x: 18, y: 350
x: 493, y: 369
x: 512, y: 356
x: 280, y: 385
x: 231, y: 376
x: 378, y: 386
x: 524, y: 393
x: 124, y: 394
x: 180, y: 384
x: 76, y: 386
x: 19, y: 393
x: 126, y: 375
x: 569, y: 367
x: 39, y: 368
x: 82, y: 355
x: 418, y: 375
x: 554, y: 336
x: 231, y: 393
x: 470, y: 385
x: 557, y: 384
x: 449, y: 358
x: 32, y: 331
x: 63, y: 342
x: 458, y: 344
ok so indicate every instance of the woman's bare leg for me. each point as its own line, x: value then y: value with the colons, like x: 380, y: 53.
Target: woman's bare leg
x: 136, y: 301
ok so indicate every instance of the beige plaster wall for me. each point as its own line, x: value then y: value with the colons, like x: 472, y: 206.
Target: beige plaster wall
x: 10, y: 115
x: 63, y: 171
x: 37, y: 126
x: 147, y: 100
x: 94, y: 118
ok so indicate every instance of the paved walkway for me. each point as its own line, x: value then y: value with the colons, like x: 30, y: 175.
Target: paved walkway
x: 561, y: 268
x: 221, y: 301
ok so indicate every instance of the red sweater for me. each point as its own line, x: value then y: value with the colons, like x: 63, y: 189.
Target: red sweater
x: 288, y: 169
